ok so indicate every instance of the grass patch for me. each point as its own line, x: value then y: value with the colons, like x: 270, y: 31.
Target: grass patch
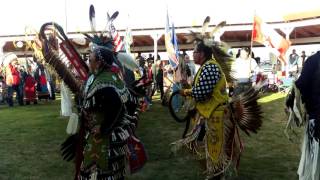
x: 30, y: 137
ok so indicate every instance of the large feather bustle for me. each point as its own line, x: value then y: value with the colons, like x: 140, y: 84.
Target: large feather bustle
x: 57, y: 30
x: 63, y: 71
x: 246, y: 111
x: 52, y: 57
x: 220, y: 54
x: 225, y: 60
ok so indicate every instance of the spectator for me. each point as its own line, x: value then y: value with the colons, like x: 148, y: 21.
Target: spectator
x: 303, y: 57
x: 293, y: 61
x: 42, y: 86
x: 30, y: 87
x: 149, y: 78
x: 3, y: 89
x: 13, y: 80
x: 159, y: 78
x: 191, y: 69
x: 245, y: 68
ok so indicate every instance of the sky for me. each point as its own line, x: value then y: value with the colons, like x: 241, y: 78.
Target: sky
x: 73, y: 15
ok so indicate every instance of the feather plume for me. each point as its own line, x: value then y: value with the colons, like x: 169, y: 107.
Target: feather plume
x: 111, y: 18
x: 92, y: 18
x: 114, y: 16
x: 217, y: 28
x: 246, y: 111
x: 205, y: 25
x: 219, y: 49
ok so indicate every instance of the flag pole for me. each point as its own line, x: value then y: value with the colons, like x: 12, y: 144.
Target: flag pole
x: 251, y: 43
x: 66, y: 16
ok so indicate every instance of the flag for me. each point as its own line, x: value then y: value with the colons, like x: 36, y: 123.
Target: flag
x: 264, y: 34
x: 117, y: 40
x: 128, y: 40
x: 171, y: 44
x: 174, y: 41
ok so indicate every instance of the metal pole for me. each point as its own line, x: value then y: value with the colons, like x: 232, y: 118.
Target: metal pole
x: 66, y: 16
x: 155, y: 38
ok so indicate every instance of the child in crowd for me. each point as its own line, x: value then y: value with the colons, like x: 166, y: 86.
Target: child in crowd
x: 2, y: 90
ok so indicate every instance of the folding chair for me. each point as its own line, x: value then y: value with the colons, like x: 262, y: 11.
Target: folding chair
x: 286, y: 84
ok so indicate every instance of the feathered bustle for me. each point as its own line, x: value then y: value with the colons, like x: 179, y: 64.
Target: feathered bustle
x: 246, y: 111
x: 58, y: 61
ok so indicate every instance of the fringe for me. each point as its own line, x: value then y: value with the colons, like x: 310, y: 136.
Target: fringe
x: 190, y: 141
x: 231, y: 146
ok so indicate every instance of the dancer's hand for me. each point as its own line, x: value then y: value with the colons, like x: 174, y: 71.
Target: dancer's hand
x: 185, y: 92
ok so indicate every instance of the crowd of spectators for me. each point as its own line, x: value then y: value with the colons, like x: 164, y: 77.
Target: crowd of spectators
x: 25, y: 83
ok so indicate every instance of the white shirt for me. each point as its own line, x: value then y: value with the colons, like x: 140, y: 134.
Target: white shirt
x: 242, y: 70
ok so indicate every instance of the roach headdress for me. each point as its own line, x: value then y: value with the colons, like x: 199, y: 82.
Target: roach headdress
x: 108, y: 40
x: 104, y: 53
x: 219, y: 49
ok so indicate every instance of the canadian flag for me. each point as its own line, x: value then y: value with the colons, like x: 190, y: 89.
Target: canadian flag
x: 266, y: 35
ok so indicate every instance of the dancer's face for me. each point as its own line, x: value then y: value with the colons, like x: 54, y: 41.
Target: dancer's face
x: 198, y: 56
x: 94, y: 64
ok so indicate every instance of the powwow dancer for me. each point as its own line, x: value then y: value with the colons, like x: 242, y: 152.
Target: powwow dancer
x: 104, y: 145
x: 303, y: 104
x: 30, y: 87
x: 107, y: 129
x: 214, y: 135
